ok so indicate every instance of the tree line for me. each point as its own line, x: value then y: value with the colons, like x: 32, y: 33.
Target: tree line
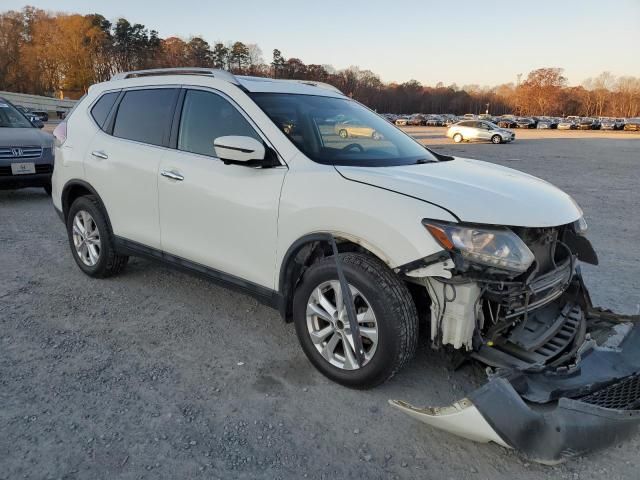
x: 49, y: 54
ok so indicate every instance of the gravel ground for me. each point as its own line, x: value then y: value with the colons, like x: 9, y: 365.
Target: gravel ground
x: 158, y: 374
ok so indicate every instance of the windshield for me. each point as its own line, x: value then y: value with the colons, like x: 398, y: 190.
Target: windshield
x: 339, y: 131
x: 11, y: 117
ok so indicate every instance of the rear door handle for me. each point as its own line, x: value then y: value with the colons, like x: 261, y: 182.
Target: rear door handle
x: 172, y: 175
x: 100, y: 154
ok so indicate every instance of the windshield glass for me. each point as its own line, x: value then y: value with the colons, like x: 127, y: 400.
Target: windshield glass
x: 339, y: 131
x: 11, y: 117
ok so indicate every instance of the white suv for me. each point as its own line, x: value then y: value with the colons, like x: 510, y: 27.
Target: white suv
x: 359, y: 239
x: 246, y: 180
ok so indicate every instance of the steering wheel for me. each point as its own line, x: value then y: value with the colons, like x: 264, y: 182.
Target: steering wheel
x: 353, y: 145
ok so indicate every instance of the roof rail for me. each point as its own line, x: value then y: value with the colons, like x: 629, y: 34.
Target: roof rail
x: 212, y: 72
x: 326, y: 86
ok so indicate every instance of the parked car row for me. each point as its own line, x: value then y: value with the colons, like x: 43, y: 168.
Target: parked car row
x: 511, y: 121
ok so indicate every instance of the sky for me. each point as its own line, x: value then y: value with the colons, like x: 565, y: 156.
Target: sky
x: 483, y: 42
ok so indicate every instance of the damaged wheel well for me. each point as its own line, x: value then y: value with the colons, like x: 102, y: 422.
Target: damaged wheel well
x: 300, y: 256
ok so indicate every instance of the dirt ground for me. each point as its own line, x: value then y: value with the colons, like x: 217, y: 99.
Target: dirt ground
x: 159, y: 374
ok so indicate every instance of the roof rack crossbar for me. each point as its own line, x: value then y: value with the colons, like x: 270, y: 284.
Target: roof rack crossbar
x: 213, y: 72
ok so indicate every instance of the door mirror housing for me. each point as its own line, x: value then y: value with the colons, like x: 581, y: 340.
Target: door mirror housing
x: 239, y: 149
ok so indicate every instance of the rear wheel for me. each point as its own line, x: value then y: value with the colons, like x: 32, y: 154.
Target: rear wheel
x: 343, y: 133
x: 457, y: 138
x: 90, y: 239
x: 496, y: 139
x: 387, y: 319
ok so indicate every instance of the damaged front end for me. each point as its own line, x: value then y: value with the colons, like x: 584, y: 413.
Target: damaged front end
x: 563, y: 377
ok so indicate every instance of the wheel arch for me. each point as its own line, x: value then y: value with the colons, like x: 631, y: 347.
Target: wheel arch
x: 76, y: 188
x: 306, y: 251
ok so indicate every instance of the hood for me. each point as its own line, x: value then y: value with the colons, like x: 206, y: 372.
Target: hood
x: 24, y: 137
x: 475, y: 191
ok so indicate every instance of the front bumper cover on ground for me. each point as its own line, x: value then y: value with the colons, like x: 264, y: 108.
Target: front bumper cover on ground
x: 554, y: 414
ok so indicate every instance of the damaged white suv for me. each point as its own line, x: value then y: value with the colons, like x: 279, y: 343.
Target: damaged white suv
x: 296, y: 194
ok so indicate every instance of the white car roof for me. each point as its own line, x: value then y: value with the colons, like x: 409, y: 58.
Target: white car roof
x: 250, y: 84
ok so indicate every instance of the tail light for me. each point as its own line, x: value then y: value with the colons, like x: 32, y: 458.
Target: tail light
x: 60, y: 134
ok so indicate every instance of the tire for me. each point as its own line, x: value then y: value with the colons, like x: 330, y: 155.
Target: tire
x: 343, y: 133
x: 47, y: 189
x: 376, y: 136
x: 457, y: 138
x: 394, y: 312
x: 106, y: 262
x: 496, y: 139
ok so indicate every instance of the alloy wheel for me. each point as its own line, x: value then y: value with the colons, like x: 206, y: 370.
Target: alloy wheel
x: 86, y: 238
x: 329, y: 329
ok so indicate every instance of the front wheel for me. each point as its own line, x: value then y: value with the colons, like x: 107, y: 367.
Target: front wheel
x: 457, y: 138
x: 496, y: 139
x: 386, y: 315
x: 343, y: 133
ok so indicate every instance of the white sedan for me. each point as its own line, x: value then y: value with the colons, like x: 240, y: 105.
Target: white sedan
x: 470, y: 130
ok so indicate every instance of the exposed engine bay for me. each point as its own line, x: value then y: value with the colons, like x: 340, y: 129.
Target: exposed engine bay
x: 563, y: 376
x: 512, y: 319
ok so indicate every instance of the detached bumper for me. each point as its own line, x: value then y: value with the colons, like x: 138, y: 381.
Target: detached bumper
x: 550, y: 416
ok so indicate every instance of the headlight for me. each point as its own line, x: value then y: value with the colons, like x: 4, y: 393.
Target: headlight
x: 495, y: 247
x: 580, y: 226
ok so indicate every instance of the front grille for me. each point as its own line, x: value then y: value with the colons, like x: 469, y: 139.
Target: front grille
x: 541, y: 337
x: 44, y: 168
x: 20, y: 152
x: 623, y: 395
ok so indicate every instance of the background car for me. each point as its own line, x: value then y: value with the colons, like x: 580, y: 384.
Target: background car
x: 470, y: 130
x: 632, y: 125
x: 507, y: 123
x: 353, y: 128
x: 401, y: 121
x: 567, y: 124
x: 41, y: 114
x: 587, y: 124
x: 612, y: 124
x: 33, y: 118
x: 525, y: 122
x: 547, y: 123
x: 417, y: 120
x: 26, y: 154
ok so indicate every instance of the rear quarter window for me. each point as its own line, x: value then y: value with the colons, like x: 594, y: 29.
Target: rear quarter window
x: 102, y: 107
x: 145, y: 115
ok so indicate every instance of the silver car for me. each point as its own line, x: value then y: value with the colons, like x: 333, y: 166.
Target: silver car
x: 473, y: 130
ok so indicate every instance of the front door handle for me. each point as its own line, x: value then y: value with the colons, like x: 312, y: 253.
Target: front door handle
x: 100, y: 154
x: 172, y: 175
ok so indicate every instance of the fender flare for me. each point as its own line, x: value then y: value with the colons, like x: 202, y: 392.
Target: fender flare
x: 284, y: 273
x: 76, y: 182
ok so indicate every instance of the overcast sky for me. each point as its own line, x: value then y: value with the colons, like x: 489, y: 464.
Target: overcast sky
x: 481, y: 42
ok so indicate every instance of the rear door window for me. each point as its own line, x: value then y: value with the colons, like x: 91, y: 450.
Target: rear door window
x: 102, y: 107
x: 145, y: 115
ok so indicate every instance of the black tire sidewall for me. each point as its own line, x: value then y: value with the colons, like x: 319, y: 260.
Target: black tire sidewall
x: 89, y: 205
x: 493, y: 139
x: 380, y: 366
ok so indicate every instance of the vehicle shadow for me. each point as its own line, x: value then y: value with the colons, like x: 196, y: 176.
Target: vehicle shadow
x: 23, y: 195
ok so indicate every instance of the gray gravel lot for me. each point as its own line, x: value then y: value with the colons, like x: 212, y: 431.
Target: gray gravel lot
x: 159, y: 374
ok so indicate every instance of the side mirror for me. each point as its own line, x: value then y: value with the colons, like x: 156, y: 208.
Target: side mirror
x: 239, y: 149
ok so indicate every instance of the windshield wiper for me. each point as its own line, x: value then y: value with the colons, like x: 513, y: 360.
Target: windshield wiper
x: 420, y: 161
